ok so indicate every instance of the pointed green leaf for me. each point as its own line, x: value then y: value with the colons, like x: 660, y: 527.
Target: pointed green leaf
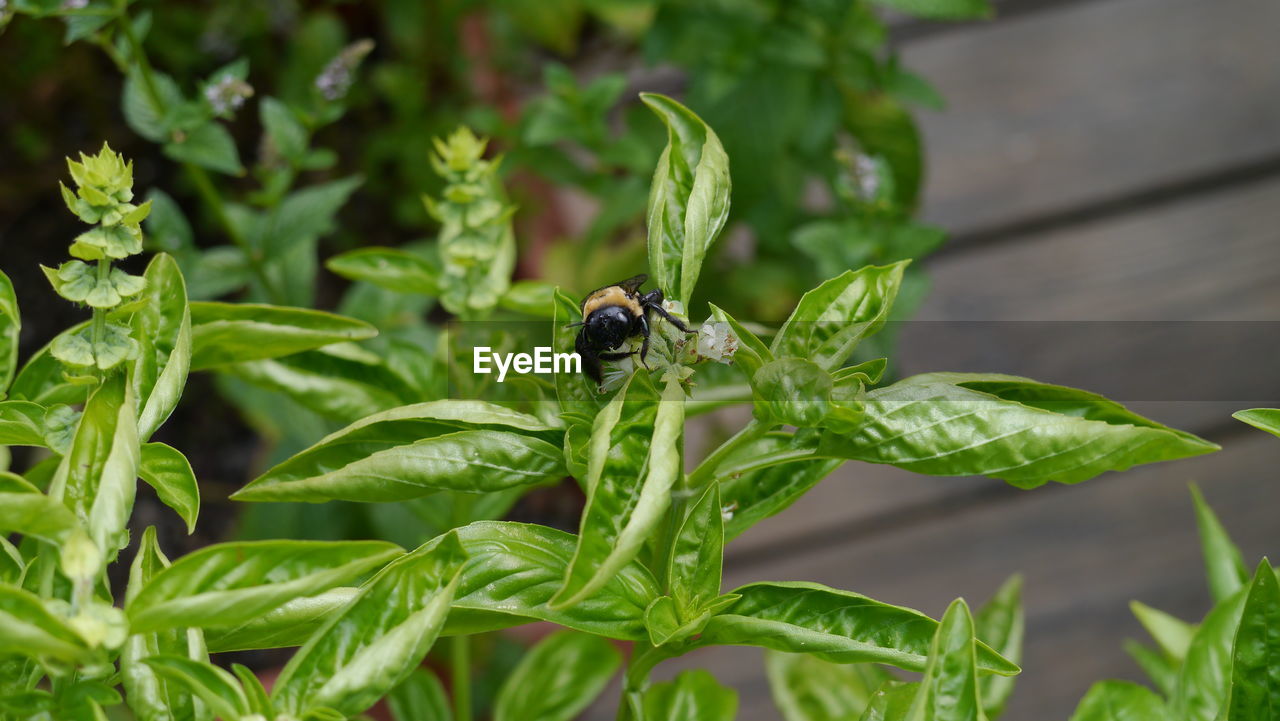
x: 21, y: 423
x: 166, y: 470
x: 949, y: 689
x: 10, y: 325
x: 416, y: 450
x: 162, y: 326
x: 101, y: 466
x: 216, y: 687
x: 1001, y: 624
x: 1119, y: 701
x: 228, y: 584
x: 1267, y: 419
x: 32, y: 513
x: 692, y: 695
x: 688, y: 198
x: 1255, y: 656
x: 375, y: 641
x: 1205, y: 675
x: 764, y: 477
x: 1171, y: 634
x: 234, y: 332
x: 806, y: 688
x: 694, y: 570
x: 839, y: 626
x: 290, y: 624
x: 29, y: 629
x: 1223, y: 563
x: 208, y: 145
x: 420, y: 697
x: 1006, y: 427
x: 830, y: 320
x: 1162, y: 670
x: 621, y: 510
x: 388, y: 268
x: 557, y: 678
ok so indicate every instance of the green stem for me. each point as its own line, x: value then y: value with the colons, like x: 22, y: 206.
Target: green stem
x: 706, y: 470
x: 460, y: 662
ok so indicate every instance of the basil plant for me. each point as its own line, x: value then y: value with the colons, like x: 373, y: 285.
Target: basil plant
x: 641, y: 578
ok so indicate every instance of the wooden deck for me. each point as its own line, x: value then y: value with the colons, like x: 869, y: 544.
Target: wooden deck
x: 1101, y: 161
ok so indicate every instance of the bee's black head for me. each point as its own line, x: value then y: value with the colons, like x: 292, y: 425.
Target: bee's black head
x: 608, y: 327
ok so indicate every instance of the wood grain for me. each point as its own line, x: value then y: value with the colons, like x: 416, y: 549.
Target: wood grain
x: 1090, y: 101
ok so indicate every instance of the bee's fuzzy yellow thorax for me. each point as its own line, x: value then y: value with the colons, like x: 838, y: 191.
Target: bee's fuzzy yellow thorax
x: 613, y: 295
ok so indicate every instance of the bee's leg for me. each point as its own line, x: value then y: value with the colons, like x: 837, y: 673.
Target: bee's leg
x: 615, y: 356
x: 644, y: 344
x: 653, y: 301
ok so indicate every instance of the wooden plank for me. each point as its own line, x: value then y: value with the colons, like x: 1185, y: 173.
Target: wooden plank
x: 1085, y: 552
x: 1083, y: 103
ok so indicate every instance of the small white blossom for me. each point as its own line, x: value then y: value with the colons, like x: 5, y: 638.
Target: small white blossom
x: 227, y: 94
x: 717, y: 342
x: 614, y: 377
x: 673, y: 307
x: 867, y: 172
x: 336, y: 78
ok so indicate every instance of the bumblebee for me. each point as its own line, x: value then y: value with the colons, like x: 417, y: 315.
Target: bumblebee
x: 611, y: 316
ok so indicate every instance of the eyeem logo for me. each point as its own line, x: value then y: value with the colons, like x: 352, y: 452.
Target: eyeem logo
x: 542, y: 360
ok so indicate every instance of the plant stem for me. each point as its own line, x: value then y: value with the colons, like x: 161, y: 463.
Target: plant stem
x: 460, y: 662
x: 706, y: 470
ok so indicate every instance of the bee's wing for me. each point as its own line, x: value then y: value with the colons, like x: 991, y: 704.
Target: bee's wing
x: 632, y: 284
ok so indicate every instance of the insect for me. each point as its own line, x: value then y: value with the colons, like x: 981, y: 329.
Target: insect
x: 611, y: 316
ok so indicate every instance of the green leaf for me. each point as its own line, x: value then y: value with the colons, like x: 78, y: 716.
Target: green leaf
x: 830, y: 320
x: 207, y: 145
x: 162, y: 326
x: 531, y: 297
x: 792, y: 391
x: 949, y: 689
x: 1205, y: 676
x: 290, y: 624
x: 228, y: 584
x: 101, y: 466
x: 420, y: 697
x: 1255, y: 656
x: 557, y: 678
x: 416, y: 450
x: 806, y: 688
x: 216, y: 687
x: 21, y: 424
x: 892, y: 702
x: 688, y: 199
x: 516, y: 568
x: 697, y: 555
x: 142, y: 115
x: 1267, y: 419
x: 152, y: 697
x: 692, y: 695
x: 41, y: 379
x: 1119, y: 701
x: 839, y: 626
x: 32, y: 513
x: 1005, y: 427
x: 287, y: 135
x: 167, y: 228
x: 259, y: 701
x: 10, y: 325
x: 388, y: 268
x: 234, y: 332
x: 341, y: 381
x: 764, y: 477
x: 1222, y: 560
x: 621, y: 511
x: 304, y: 216
x: 1001, y: 624
x: 166, y: 470
x: 375, y: 641
x: 29, y: 629
x: 942, y: 9
x: 1171, y: 634
x: 1162, y: 670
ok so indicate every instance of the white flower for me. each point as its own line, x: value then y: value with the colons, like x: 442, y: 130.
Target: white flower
x: 867, y: 171
x: 227, y: 94
x: 336, y: 78
x: 618, y: 373
x: 717, y: 342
